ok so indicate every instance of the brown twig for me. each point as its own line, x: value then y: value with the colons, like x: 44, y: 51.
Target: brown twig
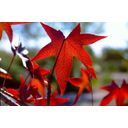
x: 92, y: 94
x: 8, y: 71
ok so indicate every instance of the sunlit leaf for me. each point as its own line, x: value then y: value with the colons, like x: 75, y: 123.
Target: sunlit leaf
x: 72, y: 46
x: 115, y: 92
x: 6, y: 26
x: 82, y: 82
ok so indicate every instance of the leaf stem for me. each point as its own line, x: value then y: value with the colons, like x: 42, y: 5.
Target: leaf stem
x: 8, y: 71
x: 92, y: 98
x: 92, y: 95
x: 49, y: 82
x: 26, y: 79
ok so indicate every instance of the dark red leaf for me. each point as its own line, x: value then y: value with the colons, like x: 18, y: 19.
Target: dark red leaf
x: 54, y: 100
x: 23, y: 90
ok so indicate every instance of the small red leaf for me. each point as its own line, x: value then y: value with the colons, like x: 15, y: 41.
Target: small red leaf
x: 14, y: 92
x: 40, y: 85
x: 23, y: 90
x: 6, y: 26
x: 54, y: 100
x: 83, y: 82
x: 4, y: 74
x: 115, y: 92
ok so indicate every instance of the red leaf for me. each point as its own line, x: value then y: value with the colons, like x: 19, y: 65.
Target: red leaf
x: 39, y: 81
x: 4, y: 74
x: 6, y: 26
x: 115, y: 92
x: 22, y: 93
x: 40, y: 72
x: 54, y: 100
x: 82, y: 82
x: 72, y: 47
x: 14, y: 92
x: 23, y: 89
x: 36, y: 83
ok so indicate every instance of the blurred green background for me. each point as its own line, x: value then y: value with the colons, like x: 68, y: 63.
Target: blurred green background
x: 112, y: 63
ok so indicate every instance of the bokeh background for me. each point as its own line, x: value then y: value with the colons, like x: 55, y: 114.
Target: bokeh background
x: 109, y: 56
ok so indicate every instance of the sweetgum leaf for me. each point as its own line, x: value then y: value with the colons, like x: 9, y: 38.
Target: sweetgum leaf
x: 54, y: 100
x: 82, y: 82
x: 115, y: 92
x: 71, y: 47
x: 6, y: 26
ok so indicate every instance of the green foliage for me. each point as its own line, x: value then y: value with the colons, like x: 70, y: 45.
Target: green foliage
x: 114, y: 60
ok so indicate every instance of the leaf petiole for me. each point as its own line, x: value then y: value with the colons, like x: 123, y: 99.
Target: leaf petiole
x: 8, y: 71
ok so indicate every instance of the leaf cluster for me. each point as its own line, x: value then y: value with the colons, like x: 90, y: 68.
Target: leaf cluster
x: 64, y: 49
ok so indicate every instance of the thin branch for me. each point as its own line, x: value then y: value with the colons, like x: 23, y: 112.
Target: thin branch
x: 8, y: 71
x: 92, y: 98
x: 92, y: 92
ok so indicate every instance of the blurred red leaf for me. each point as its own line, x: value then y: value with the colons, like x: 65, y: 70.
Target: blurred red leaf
x: 14, y: 92
x: 6, y: 26
x: 54, y: 100
x: 115, y: 92
x: 22, y: 93
x: 23, y: 89
x: 82, y: 82
x: 4, y: 74
x: 72, y: 46
x: 38, y: 82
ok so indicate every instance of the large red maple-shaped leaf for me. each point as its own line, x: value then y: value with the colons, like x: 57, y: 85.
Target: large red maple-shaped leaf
x: 82, y: 82
x: 54, y: 100
x: 115, y: 92
x: 6, y: 26
x: 71, y: 46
